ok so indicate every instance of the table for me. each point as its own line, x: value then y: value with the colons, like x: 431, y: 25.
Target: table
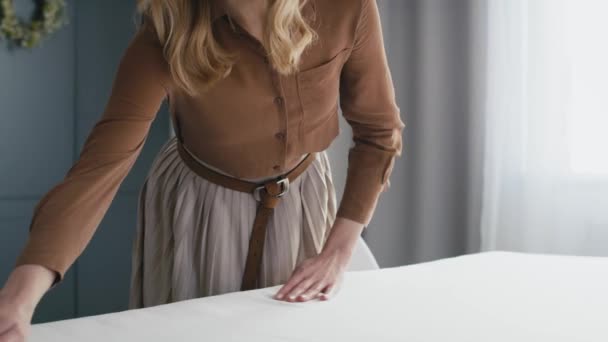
x: 491, y: 296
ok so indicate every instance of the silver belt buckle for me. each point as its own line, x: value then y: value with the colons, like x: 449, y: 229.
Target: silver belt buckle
x: 282, y: 181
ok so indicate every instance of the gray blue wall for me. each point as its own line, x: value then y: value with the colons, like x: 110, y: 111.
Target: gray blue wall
x: 50, y: 98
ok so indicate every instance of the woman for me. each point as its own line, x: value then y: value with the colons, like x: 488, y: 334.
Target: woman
x: 253, y: 89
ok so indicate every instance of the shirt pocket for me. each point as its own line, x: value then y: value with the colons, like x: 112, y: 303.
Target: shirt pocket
x: 319, y: 91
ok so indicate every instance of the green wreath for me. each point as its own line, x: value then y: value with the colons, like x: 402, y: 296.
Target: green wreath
x: 49, y: 16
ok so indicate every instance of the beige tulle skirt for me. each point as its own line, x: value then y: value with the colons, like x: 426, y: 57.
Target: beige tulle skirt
x: 192, y: 235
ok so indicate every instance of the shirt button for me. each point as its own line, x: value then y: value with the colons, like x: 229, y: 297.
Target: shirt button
x: 278, y: 100
x: 266, y: 61
x: 280, y: 135
x: 276, y: 167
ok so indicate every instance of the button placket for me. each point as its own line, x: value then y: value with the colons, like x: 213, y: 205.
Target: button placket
x: 279, y: 101
x: 280, y: 135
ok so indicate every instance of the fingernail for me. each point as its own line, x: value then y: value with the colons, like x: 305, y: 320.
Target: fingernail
x: 279, y: 296
x: 292, y: 297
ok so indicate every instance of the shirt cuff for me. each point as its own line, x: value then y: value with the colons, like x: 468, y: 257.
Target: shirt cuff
x: 48, y: 260
x: 367, y: 177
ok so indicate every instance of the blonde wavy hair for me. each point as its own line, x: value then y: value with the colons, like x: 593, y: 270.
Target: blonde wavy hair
x: 196, y: 60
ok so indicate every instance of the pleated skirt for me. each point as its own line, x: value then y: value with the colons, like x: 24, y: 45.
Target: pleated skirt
x: 192, y: 235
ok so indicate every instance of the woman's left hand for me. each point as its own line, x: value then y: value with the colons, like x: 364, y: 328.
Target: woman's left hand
x: 321, y: 276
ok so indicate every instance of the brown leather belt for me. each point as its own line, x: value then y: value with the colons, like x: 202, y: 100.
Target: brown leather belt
x: 266, y: 193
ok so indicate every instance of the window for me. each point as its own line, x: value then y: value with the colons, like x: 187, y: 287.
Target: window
x: 587, y: 33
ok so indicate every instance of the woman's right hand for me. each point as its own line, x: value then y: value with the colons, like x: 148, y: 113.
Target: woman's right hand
x: 15, y: 319
x: 23, y: 290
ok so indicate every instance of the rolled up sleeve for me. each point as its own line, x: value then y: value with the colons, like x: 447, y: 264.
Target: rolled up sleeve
x: 367, y: 99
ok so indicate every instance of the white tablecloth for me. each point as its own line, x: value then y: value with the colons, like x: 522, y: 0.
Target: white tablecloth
x: 493, y: 296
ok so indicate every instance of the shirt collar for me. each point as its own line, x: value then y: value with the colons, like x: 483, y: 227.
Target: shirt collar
x: 218, y: 10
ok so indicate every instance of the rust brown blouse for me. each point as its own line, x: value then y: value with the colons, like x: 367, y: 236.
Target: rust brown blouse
x: 253, y: 123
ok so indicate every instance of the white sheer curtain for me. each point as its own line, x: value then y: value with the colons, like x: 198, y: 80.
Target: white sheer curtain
x: 546, y: 119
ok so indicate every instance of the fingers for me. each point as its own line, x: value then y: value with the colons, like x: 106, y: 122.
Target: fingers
x: 310, y: 280
x: 327, y: 293
x: 313, y: 291
x: 308, y: 290
x: 299, y: 273
x: 12, y: 335
x: 302, y: 287
x: 5, y: 326
x: 293, y: 281
x: 331, y: 289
